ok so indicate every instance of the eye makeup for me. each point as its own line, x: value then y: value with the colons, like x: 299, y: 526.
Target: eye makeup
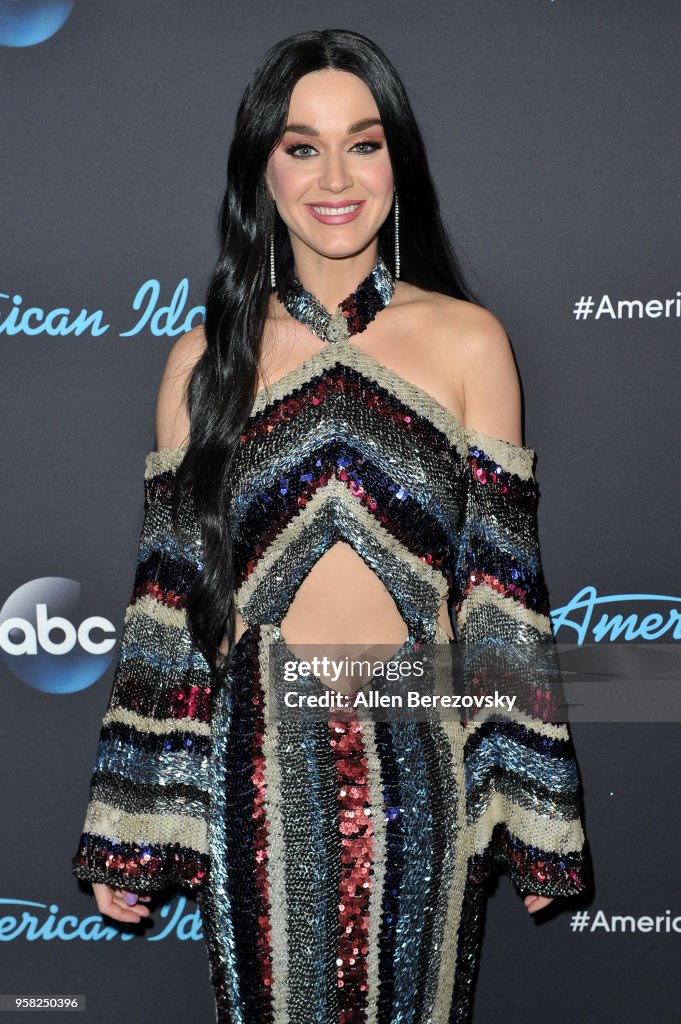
x: 290, y: 150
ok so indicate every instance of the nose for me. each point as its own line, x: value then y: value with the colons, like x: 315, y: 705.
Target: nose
x: 335, y: 174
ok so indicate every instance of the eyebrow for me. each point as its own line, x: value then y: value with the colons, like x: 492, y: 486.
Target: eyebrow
x: 358, y: 126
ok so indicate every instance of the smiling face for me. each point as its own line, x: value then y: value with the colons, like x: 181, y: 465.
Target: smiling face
x: 330, y: 175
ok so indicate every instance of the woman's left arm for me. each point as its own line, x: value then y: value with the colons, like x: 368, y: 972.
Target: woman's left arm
x: 523, y: 789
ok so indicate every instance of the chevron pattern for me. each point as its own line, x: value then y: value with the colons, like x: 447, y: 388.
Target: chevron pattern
x: 339, y: 862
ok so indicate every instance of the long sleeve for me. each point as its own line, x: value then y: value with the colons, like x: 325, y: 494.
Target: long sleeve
x: 523, y: 791
x: 146, y: 821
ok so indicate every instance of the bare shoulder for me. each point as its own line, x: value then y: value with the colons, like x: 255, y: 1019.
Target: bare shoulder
x: 480, y: 337
x: 465, y: 322
x: 473, y: 348
x: 172, y: 417
x: 491, y: 387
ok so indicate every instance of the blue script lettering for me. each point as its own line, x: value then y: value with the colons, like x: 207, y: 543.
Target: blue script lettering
x: 35, y: 320
x: 45, y: 924
x: 633, y: 627
x: 185, y: 925
x: 166, y: 320
x: 49, y: 927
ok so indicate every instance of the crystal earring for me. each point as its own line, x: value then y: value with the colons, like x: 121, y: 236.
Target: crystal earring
x: 273, y: 280
x: 397, y: 237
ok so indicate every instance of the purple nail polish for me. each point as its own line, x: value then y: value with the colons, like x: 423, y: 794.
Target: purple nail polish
x: 131, y: 898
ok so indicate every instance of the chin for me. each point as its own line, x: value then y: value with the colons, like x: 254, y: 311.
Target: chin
x: 343, y: 248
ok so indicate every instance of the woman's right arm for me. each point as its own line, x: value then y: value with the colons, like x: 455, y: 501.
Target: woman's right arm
x: 145, y: 821
x: 172, y: 417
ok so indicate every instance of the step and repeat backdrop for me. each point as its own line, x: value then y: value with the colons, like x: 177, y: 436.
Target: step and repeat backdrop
x: 552, y: 131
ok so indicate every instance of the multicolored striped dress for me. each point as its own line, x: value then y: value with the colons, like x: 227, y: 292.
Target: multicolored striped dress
x: 340, y: 862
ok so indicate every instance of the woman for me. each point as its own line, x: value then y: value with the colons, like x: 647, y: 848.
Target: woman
x: 332, y: 479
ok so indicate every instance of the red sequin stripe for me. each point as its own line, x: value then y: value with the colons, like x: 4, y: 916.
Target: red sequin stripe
x: 140, y: 691
x: 149, y: 588
x: 357, y: 856
x: 418, y: 426
x: 363, y: 496
x: 278, y: 523
x: 531, y: 868
x: 505, y: 590
x: 159, y: 488
x: 147, y: 867
x: 539, y: 703
x: 317, y: 390
x: 514, y: 488
x: 370, y: 502
x: 261, y: 841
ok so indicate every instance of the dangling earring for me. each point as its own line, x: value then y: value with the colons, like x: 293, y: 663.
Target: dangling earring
x: 397, y: 237
x: 273, y: 280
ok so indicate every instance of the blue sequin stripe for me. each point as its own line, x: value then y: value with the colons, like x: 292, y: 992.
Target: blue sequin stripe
x: 166, y: 541
x: 312, y: 854
x: 552, y: 746
x: 414, y: 525
x: 285, y: 474
x: 312, y: 445
x: 213, y: 900
x: 240, y: 840
x: 151, y: 764
x: 176, y: 662
x: 443, y: 799
x: 196, y: 744
x: 417, y: 825
x: 188, y: 798
x: 172, y: 575
x: 302, y: 439
x: 494, y: 554
x: 365, y: 388
x: 394, y: 867
x: 499, y: 750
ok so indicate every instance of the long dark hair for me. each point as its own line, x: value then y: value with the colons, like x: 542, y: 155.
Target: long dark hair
x: 222, y: 386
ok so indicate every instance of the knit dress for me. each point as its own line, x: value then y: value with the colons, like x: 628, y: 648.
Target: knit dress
x: 341, y: 860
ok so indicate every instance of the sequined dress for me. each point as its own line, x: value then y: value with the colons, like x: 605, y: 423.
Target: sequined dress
x: 340, y: 865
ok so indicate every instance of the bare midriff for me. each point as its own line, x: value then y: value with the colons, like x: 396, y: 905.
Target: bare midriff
x: 342, y: 601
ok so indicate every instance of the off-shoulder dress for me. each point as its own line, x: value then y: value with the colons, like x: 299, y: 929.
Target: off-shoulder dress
x: 340, y: 862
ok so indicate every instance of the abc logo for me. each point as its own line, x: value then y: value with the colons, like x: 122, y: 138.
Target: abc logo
x: 47, y: 643
x: 27, y: 22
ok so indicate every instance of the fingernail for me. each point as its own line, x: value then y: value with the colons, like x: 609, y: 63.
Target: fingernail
x: 131, y: 898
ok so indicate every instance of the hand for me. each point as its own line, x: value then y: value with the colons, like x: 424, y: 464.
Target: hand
x: 535, y: 903
x: 112, y: 902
